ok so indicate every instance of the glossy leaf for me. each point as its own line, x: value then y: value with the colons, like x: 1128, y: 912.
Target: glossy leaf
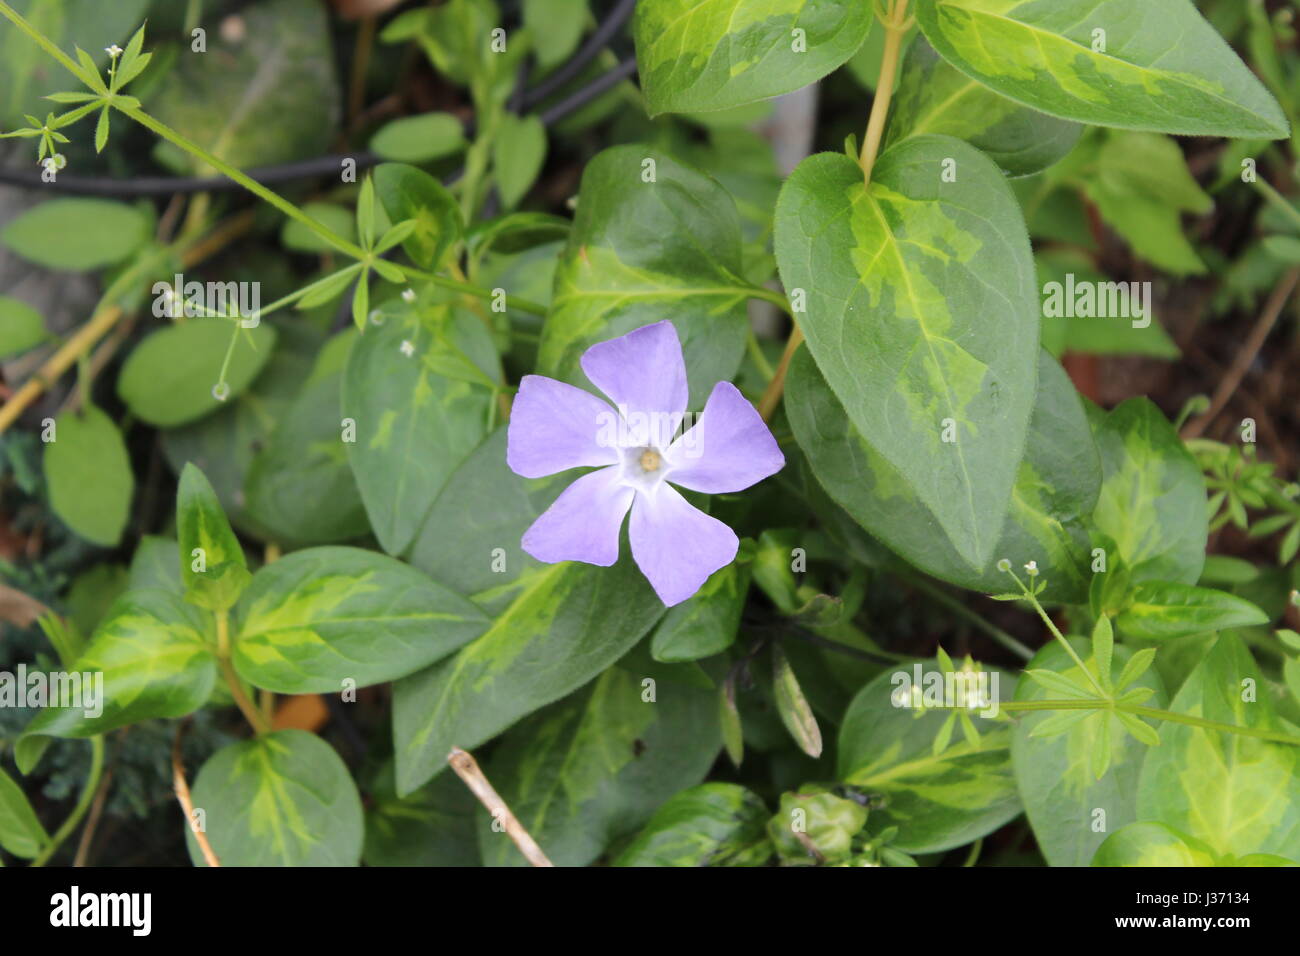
x: 1069, y: 808
x: 89, y: 475
x: 934, y: 97
x: 156, y: 656
x: 793, y: 707
x: 1198, y: 781
x: 21, y: 832
x: 419, y: 389
x: 169, y: 378
x: 323, y: 616
x: 409, y: 193
x: 554, y: 627
x: 706, y: 623
x: 1157, y: 66
x: 594, y: 766
x: 714, y: 824
x: 914, y: 289
x: 1152, y: 501
x: 1162, y: 610
x: 280, y: 799
x: 1055, y: 490
x: 1152, y: 844
x: 641, y: 252
x: 699, y: 55
x: 937, y: 801
x: 212, y: 563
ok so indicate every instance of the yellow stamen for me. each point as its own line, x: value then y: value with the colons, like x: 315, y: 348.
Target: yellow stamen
x: 650, y: 460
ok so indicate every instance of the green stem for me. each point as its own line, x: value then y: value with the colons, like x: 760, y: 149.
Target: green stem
x: 1051, y: 626
x: 251, y: 713
x: 1277, y: 200
x: 1137, y: 710
x: 83, y: 803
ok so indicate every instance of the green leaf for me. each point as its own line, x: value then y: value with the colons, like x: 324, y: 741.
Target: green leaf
x: 555, y: 626
x: 518, y: 154
x: 415, y: 421
x: 733, y: 736
x: 21, y: 327
x: 300, y: 238
x: 269, y: 97
x: 1163, y: 610
x: 280, y: 799
x: 410, y: 193
x: 78, y: 235
x: 714, y: 824
x: 700, y: 55
x: 1055, y: 490
x: 594, y: 766
x: 101, y: 130
x: 156, y: 566
x: 793, y: 706
x: 366, y: 213
x: 1199, y: 780
x: 644, y: 251
x: 1103, y: 647
x: 1141, y: 189
x: 706, y: 623
x: 168, y: 379
x: 156, y: 657
x: 1152, y: 844
x: 1152, y: 501
x: 914, y: 289
x: 937, y: 802
x: 320, y: 617
x: 1163, y: 67
x: 212, y: 562
x: 419, y: 139
x: 88, y: 473
x: 1137, y: 666
x: 434, y: 826
x: 26, y: 69
x: 299, y: 486
x: 933, y: 97
x: 21, y: 832
x: 1070, y: 809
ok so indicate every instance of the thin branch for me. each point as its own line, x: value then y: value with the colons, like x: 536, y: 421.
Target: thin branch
x: 597, y: 42
x: 1246, y: 356
x: 187, y: 803
x: 467, y: 769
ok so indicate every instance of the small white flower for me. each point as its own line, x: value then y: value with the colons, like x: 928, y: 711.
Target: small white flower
x: 114, y: 51
x: 221, y: 391
x: 1004, y: 565
x: 408, y: 295
x: 1032, y: 568
x: 408, y: 349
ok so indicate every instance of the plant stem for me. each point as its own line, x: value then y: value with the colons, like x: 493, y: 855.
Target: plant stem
x: 83, y: 803
x: 1051, y: 626
x: 896, y: 26
x: 1168, y: 716
x: 772, y: 397
x: 957, y: 607
x: 251, y: 713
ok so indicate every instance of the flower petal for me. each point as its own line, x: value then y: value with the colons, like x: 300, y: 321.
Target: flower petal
x: 643, y: 372
x: 728, y: 449
x: 555, y: 427
x: 582, y: 524
x: 676, y: 545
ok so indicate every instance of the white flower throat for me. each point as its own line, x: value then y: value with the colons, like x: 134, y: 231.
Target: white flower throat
x: 644, y: 467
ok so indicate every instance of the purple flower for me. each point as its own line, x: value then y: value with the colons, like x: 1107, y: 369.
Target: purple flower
x: 555, y: 427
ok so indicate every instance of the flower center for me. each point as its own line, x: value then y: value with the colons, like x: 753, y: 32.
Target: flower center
x: 650, y: 460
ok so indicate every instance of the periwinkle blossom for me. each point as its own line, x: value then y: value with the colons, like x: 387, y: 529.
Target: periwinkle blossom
x: 640, y: 457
